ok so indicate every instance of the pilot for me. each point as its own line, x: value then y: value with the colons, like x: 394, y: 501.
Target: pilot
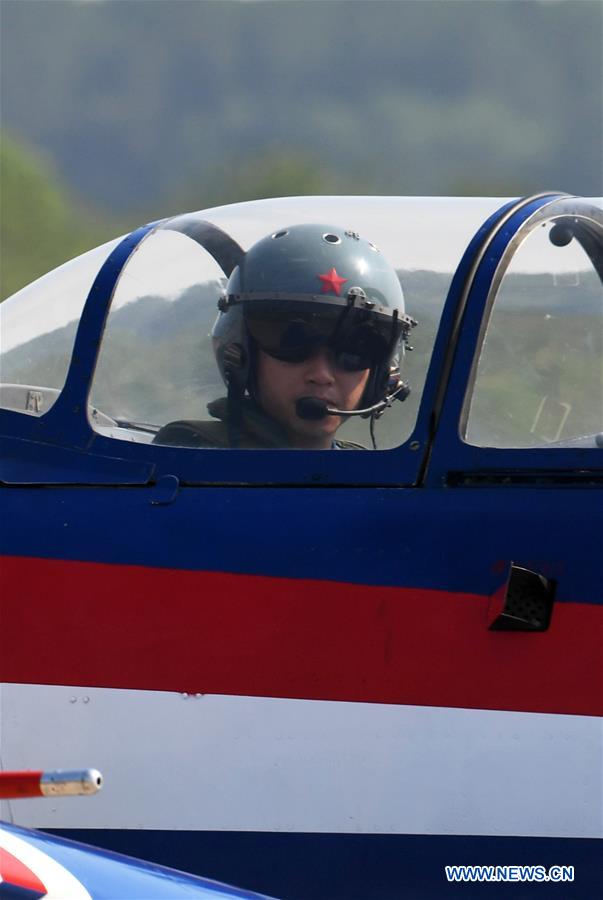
x: 310, y: 331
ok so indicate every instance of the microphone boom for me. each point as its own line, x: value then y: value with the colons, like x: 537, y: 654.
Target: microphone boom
x: 313, y: 409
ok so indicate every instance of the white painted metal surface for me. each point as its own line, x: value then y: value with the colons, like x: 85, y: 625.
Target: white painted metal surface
x: 241, y: 763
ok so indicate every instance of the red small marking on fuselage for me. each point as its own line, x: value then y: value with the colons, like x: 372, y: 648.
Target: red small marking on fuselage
x: 14, y: 872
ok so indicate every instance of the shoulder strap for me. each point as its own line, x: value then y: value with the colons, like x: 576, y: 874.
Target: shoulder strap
x: 348, y: 445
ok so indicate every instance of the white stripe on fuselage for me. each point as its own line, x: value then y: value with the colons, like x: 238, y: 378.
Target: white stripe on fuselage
x: 259, y: 764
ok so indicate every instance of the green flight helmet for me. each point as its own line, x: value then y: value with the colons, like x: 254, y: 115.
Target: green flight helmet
x: 308, y: 285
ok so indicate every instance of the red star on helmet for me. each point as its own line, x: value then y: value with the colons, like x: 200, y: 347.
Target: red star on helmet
x: 331, y: 282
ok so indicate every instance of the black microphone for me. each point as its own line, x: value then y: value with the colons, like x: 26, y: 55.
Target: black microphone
x: 314, y: 409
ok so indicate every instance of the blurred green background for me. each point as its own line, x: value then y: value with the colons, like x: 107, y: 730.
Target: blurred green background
x: 115, y: 112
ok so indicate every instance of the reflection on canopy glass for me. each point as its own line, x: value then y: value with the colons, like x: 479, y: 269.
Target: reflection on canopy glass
x: 539, y: 379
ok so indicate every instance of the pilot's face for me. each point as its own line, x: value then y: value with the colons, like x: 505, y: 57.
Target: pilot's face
x: 281, y: 384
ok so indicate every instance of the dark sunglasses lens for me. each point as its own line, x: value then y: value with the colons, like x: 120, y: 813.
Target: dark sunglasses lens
x: 299, y: 341
x: 296, y: 337
x: 351, y: 362
x: 360, y: 348
x: 292, y: 338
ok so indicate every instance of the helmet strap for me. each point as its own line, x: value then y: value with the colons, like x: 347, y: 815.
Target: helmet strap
x: 252, y: 377
x: 372, y: 431
x: 235, y: 391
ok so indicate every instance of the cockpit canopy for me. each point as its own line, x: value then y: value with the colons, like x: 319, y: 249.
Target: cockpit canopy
x: 537, y: 377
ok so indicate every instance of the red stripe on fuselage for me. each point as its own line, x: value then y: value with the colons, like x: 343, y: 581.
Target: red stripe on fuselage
x: 121, y: 626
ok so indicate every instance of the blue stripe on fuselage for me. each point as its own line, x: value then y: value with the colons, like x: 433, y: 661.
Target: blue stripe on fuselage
x: 459, y: 540
x: 295, y: 866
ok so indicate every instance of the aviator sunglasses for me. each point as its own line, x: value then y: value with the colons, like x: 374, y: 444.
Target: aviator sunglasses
x: 357, y: 340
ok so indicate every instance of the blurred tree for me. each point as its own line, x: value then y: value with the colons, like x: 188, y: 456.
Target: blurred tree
x: 41, y: 224
x: 418, y: 96
x: 276, y: 173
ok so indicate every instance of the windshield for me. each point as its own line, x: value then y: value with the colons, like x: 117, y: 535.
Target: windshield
x: 539, y: 372
x: 157, y: 362
x: 37, y: 331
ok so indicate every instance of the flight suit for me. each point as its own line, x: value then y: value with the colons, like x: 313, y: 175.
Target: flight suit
x: 256, y: 431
